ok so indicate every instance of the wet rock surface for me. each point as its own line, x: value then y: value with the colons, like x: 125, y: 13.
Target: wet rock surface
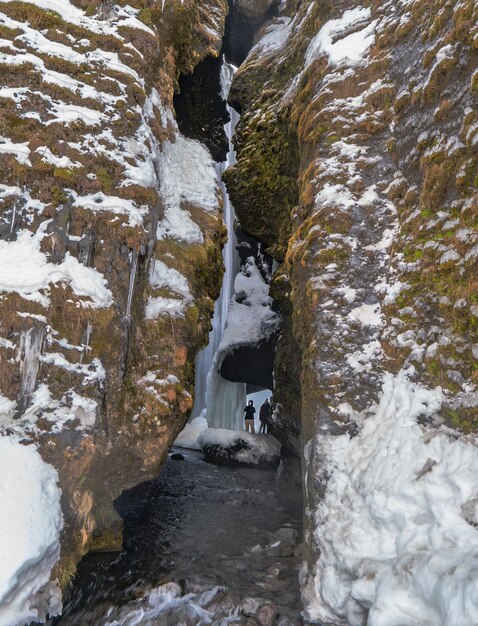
x: 202, y: 544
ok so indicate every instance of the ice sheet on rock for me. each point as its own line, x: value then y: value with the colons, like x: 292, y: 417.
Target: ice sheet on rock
x: 261, y: 448
x: 30, y: 526
x: 275, y: 37
x: 349, y: 49
x: 163, y: 277
x: 405, y: 497
x: 24, y: 269
x: 187, y: 174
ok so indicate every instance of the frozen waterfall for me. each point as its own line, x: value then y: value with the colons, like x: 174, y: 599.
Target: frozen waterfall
x: 223, y: 400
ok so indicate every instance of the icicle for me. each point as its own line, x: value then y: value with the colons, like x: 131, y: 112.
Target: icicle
x: 132, y: 279
x: 86, y: 345
x: 14, y: 217
x: 29, y: 352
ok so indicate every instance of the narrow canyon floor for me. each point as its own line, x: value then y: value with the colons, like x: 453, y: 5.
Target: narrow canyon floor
x: 199, y: 527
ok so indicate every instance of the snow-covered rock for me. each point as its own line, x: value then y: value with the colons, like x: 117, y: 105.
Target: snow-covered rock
x: 237, y: 447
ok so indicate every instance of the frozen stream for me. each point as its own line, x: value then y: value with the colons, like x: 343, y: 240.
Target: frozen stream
x: 200, y: 526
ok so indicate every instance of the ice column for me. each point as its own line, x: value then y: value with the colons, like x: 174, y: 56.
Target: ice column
x: 224, y: 400
x: 29, y: 353
x: 132, y: 278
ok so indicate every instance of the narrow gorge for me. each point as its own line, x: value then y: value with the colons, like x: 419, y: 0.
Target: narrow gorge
x: 204, y: 204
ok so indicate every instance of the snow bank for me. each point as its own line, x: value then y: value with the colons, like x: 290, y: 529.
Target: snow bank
x: 30, y: 526
x: 231, y: 447
x: 397, y: 527
x: 188, y: 437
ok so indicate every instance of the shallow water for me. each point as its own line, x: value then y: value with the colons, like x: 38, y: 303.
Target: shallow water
x: 199, y: 524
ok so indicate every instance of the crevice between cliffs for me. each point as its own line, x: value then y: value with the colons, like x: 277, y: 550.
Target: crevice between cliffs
x: 233, y: 533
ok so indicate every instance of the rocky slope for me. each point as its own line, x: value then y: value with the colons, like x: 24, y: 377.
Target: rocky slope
x: 110, y: 251
x: 357, y: 168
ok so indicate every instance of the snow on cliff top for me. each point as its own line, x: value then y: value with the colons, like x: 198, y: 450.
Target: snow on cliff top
x: 30, y: 526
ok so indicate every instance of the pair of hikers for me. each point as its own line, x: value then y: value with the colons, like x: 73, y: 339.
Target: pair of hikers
x: 264, y: 414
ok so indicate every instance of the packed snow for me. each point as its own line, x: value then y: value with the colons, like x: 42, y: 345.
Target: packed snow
x: 30, y: 526
x: 397, y: 527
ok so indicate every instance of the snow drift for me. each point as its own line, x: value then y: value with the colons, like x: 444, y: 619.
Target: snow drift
x: 30, y: 526
x: 397, y: 527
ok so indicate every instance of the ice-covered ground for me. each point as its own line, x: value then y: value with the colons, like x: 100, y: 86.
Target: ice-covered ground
x: 30, y: 526
x: 397, y: 527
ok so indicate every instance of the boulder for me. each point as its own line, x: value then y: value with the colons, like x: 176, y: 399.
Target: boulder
x: 236, y: 447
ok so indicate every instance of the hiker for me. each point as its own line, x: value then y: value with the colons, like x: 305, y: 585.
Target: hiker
x: 264, y: 414
x: 249, y: 411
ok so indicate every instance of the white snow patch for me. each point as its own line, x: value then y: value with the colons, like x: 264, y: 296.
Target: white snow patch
x: 119, y: 206
x: 21, y: 151
x: 348, y: 50
x: 161, y: 276
x: 24, y: 269
x: 250, y: 317
x: 367, y: 314
x: 7, y: 408
x: 48, y: 157
x: 30, y: 526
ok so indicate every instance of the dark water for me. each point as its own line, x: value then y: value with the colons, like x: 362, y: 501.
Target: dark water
x: 194, y: 521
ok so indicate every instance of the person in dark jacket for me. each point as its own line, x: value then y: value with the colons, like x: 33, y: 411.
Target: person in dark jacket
x: 249, y: 416
x: 264, y: 414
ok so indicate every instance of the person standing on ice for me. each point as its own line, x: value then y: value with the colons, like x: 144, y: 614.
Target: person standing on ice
x: 264, y: 413
x: 249, y: 411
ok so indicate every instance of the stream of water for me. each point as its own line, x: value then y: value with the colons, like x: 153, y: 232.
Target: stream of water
x: 199, y: 527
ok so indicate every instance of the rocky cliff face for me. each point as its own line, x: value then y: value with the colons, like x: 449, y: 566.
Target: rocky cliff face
x: 357, y: 162
x: 110, y: 251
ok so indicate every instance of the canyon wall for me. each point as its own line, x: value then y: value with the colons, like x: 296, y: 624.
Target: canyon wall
x: 110, y: 251
x: 357, y: 169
